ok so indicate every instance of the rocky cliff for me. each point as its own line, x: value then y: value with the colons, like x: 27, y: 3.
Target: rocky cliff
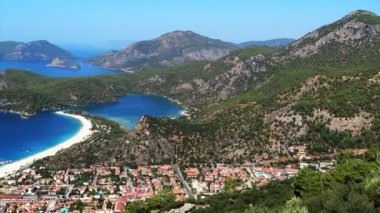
x: 239, y: 76
x: 354, y: 32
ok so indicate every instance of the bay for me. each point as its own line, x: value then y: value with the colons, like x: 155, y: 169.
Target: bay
x: 130, y: 108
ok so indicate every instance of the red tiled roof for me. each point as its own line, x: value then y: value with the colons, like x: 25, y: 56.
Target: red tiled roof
x: 267, y: 170
x: 10, y: 197
x: 120, y: 204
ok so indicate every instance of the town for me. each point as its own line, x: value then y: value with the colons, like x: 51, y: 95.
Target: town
x: 100, y: 188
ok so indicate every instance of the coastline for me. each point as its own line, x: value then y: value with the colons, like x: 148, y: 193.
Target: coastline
x: 23, y: 115
x: 185, y: 109
x: 82, y: 134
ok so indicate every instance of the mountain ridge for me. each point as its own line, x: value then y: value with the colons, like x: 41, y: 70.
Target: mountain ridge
x: 277, y: 42
x: 357, y: 25
x: 169, y: 49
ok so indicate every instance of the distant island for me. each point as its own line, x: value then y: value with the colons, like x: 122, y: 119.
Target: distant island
x: 57, y: 62
x: 34, y: 50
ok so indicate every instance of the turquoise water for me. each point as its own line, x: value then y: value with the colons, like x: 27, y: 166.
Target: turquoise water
x: 259, y: 174
x: 129, y: 109
x: 20, y: 138
x: 41, y: 68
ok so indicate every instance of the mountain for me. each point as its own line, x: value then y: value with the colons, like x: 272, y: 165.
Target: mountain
x: 278, y: 42
x: 167, y: 50
x: 35, y: 50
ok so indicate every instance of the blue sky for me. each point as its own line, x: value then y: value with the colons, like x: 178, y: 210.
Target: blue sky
x: 100, y: 22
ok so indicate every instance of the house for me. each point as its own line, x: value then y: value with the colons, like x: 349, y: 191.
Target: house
x: 178, y: 190
x: 301, y: 152
x: 192, y: 172
x: 4, y: 199
x: 165, y: 170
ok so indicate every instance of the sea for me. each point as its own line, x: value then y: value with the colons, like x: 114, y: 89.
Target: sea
x: 40, y: 67
x: 20, y: 137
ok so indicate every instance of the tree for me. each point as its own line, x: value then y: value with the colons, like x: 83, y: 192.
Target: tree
x: 77, y: 205
x: 109, y: 204
x: 230, y: 184
x: 341, y: 198
x: 344, y: 156
x: 373, y: 154
x: 137, y: 206
x: 100, y: 202
x: 161, y: 200
x: 164, y: 200
x: 257, y: 209
x: 372, y: 187
x: 295, y: 205
x: 307, y: 181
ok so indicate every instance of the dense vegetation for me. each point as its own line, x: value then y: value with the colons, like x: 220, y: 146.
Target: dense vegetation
x: 29, y: 92
x: 165, y: 200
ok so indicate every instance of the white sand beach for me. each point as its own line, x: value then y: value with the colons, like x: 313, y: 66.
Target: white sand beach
x: 185, y: 113
x: 83, y: 134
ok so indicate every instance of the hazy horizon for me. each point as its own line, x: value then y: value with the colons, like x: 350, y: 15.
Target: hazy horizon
x: 115, y: 24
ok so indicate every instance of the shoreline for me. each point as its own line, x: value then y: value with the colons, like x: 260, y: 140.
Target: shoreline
x: 84, y: 132
x: 23, y: 115
x: 183, y: 112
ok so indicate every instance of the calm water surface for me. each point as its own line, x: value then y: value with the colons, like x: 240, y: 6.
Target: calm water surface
x: 20, y: 138
x: 129, y: 109
x: 41, y: 68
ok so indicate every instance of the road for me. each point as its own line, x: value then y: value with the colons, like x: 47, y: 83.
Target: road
x: 68, y: 191
x: 187, y: 187
x: 129, y: 180
x: 51, y: 205
x: 96, y: 177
